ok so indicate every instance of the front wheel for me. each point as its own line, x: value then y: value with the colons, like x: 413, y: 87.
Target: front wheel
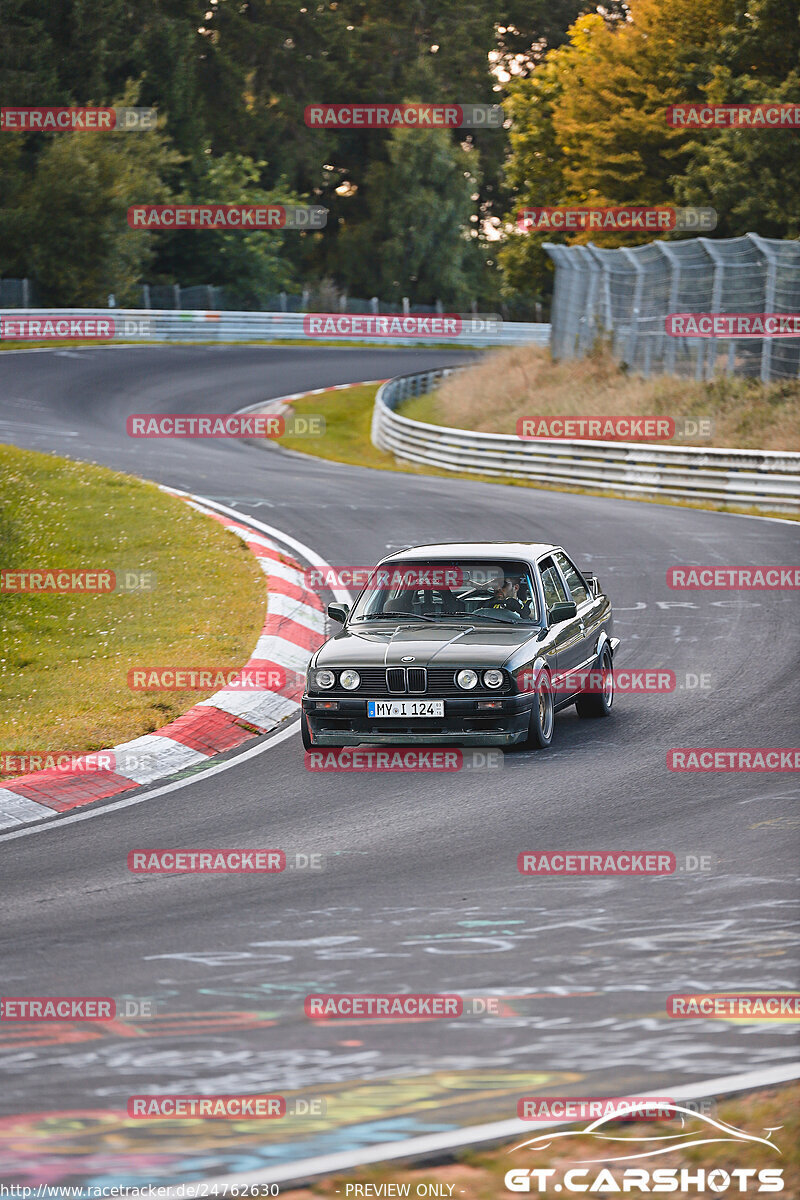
x: 540, y: 731
x: 598, y: 704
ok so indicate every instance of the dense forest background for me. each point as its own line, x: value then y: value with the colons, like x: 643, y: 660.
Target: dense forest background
x: 425, y: 214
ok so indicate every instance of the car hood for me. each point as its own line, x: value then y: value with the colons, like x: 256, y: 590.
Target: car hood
x: 441, y: 643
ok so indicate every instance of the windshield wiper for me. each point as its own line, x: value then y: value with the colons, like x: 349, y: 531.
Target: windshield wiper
x: 499, y: 620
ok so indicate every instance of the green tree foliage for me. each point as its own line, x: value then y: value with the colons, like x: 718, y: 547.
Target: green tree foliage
x: 419, y: 208
x: 250, y: 265
x: 77, y: 242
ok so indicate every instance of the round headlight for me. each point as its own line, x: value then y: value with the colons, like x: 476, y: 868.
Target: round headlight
x: 324, y: 679
x: 467, y: 679
x: 350, y: 680
x: 493, y: 678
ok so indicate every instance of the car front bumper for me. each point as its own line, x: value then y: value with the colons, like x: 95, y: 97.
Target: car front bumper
x: 463, y: 724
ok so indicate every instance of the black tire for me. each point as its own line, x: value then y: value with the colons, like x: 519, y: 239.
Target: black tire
x: 598, y: 704
x: 305, y: 733
x: 542, y: 723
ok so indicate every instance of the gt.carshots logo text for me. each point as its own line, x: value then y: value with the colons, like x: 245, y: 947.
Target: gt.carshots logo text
x: 727, y: 758
x: 403, y: 116
x: 57, y: 1008
x: 733, y: 325
x: 54, y: 119
x: 410, y: 577
x: 227, y: 216
x: 774, y: 1006
x: 615, y: 218
x: 723, y: 579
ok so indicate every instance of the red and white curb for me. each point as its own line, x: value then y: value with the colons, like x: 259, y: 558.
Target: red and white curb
x: 293, y: 629
x: 279, y: 404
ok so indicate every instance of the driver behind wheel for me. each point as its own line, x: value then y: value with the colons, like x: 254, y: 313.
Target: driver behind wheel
x: 506, y: 595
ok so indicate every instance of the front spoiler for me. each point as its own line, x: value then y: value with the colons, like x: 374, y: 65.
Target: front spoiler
x: 464, y: 737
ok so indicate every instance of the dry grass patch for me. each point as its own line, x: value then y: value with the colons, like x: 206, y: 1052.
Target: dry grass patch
x: 524, y: 381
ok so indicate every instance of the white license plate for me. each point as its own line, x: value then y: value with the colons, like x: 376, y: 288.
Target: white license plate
x: 405, y: 708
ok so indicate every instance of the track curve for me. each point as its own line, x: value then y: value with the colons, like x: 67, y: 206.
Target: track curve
x: 421, y: 891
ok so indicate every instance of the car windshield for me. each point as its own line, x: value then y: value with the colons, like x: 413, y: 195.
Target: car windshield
x: 497, y: 592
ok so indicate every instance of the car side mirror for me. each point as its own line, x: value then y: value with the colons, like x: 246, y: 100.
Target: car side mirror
x: 338, y: 612
x: 562, y: 612
x: 593, y: 582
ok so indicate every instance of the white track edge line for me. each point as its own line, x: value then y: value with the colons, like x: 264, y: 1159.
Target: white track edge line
x: 427, y: 1144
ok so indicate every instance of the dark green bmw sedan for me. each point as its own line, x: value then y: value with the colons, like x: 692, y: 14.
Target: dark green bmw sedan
x: 464, y: 644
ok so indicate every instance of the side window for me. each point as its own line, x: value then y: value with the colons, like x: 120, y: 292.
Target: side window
x: 579, y: 590
x: 551, y: 582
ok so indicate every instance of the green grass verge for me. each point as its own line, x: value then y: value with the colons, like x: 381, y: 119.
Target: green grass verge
x: 348, y: 421
x: 65, y: 658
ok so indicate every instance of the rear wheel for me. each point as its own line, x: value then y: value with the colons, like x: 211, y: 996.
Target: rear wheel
x: 540, y: 730
x: 598, y: 704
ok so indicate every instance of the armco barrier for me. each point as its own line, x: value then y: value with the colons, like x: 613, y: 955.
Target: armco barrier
x: 764, y: 479
x: 160, y: 325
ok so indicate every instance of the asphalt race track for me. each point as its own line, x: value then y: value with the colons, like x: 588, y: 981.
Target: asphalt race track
x: 421, y: 892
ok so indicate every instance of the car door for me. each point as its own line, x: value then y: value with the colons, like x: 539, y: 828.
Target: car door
x: 589, y: 607
x: 566, y: 637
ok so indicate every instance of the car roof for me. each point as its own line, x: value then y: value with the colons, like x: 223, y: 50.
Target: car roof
x: 529, y: 551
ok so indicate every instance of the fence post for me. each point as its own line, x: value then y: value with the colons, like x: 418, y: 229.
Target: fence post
x: 716, y: 300
x: 769, y: 301
x: 304, y: 299
x: 406, y: 306
x: 146, y: 295
x: 374, y: 304
x: 26, y: 293
x: 282, y: 301
x: 674, y: 265
x: 176, y: 296
x: 630, y: 353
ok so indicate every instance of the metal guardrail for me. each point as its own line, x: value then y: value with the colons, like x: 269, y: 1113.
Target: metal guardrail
x: 161, y: 325
x: 764, y: 479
